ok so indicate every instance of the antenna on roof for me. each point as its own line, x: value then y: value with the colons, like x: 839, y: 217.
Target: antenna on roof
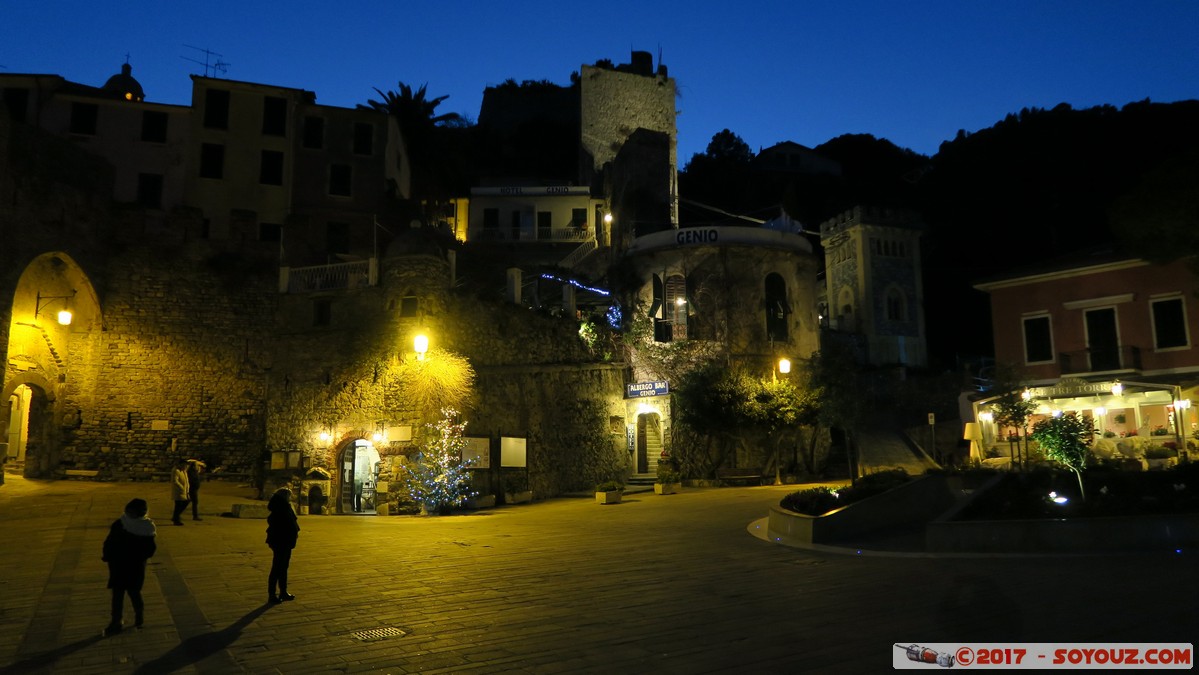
x: 210, y: 66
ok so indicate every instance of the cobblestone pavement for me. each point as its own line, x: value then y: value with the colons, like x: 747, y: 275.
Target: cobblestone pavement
x: 661, y: 584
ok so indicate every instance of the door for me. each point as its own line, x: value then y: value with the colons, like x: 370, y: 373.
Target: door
x: 1103, y: 342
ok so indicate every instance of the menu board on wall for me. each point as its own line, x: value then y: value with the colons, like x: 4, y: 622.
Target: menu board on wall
x: 512, y: 451
x: 477, y: 452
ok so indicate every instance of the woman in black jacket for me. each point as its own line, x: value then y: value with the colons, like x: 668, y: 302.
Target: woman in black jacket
x: 282, y: 530
x: 130, y: 543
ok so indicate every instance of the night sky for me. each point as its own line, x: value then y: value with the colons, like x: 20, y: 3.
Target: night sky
x: 914, y: 72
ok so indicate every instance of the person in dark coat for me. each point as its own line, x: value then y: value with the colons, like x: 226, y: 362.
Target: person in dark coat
x: 282, y: 531
x: 130, y: 543
x: 194, y: 468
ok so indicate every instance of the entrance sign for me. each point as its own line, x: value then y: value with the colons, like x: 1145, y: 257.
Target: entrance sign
x: 644, y: 389
x: 477, y: 452
x: 512, y: 451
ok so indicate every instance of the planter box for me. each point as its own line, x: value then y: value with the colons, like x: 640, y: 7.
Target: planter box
x: 918, y: 501
x: 480, y: 502
x: 665, y: 488
x: 518, y: 497
x: 612, y: 497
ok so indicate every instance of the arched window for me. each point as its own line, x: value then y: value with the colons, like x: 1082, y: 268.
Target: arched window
x: 777, y: 308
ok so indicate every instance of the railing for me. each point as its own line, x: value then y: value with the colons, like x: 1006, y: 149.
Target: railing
x: 540, y: 234
x: 1097, y: 360
x: 576, y: 256
x: 339, y: 276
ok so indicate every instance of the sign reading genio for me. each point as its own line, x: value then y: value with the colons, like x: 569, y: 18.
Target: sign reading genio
x: 644, y: 389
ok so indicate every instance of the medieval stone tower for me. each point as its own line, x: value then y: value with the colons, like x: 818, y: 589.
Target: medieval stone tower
x: 873, y: 283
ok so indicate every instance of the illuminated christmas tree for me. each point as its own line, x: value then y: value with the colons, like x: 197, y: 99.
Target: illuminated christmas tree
x: 437, y: 477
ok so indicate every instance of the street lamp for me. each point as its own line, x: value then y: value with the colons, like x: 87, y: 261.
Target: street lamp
x: 421, y: 345
x: 64, y: 314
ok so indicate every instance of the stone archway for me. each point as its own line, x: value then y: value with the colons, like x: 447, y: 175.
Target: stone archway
x: 55, y: 319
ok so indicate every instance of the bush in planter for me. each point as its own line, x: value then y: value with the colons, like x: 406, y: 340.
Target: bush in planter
x: 1160, y: 452
x: 818, y: 501
x: 610, y: 486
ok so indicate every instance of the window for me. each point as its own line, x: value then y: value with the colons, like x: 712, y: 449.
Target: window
x: 16, y: 99
x: 776, y: 307
x: 364, y: 138
x: 270, y: 170
x: 337, y: 238
x: 83, y: 118
x: 675, y: 307
x: 1169, y: 324
x: 270, y: 231
x: 1103, y: 338
x: 408, y: 306
x: 896, y: 310
x: 514, y: 225
x: 322, y: 311
x: 340, y: 180
x: 1038, y: 340
x: 545, y: 224
x: 314, y: 132
x: 154, y: 126
x: 578, y: 218
x: 212, y: 160
x: 149, y: 190
x: 491, y: 219
x: 216, y: 109
x: 274, y: 116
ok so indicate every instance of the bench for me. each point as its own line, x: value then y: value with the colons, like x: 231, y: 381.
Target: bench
x: 253, y: 510
x: 739, y: 475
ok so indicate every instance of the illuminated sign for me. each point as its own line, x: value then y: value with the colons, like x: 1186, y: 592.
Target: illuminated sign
x: 644, y: 389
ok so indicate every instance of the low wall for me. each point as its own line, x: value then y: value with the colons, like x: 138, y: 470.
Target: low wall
x: 917, y: 501
x: 1141, y: 534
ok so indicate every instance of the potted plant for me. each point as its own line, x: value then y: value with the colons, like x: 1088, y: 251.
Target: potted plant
x: 1160, y: 457
x: 668, y: 481
x: 516, y: 488
x: 609, y: 492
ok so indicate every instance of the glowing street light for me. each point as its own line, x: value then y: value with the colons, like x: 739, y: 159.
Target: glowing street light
x: 421, y: 346
x: 784, y: 366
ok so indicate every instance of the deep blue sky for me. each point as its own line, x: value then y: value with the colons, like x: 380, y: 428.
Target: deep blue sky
x: 912, y: 72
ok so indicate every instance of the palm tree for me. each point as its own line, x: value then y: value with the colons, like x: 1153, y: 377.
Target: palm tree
x: 425, y: 135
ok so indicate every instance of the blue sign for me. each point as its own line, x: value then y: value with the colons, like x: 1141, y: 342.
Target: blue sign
x: 644, y: 389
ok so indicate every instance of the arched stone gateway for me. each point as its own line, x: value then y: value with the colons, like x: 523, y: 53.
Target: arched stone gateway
x: 55, y: 316
x: 358, y: 477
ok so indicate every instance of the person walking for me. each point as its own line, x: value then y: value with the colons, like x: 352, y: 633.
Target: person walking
x: 194, y: 468
x: 130, y: 543
x: 179, y: 490
x: 282, y: 531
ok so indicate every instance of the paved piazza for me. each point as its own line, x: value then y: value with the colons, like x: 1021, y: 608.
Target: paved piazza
x: 656, y: 584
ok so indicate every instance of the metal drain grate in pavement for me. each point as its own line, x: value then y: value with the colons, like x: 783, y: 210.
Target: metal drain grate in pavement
x: 376, y: 634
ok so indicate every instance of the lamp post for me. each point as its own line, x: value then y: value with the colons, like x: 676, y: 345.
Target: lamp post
x: 420, y: 344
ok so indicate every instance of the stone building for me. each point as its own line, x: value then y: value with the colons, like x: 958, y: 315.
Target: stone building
x: 874, y: 294
x: 200, y: 329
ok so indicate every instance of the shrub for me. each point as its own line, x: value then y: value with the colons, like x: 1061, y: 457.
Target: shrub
x: 1159, y: 452
x: 610, y: 486
x: 818, y: 501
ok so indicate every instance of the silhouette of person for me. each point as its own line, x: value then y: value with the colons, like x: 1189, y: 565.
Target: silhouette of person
x: 282, y: 531
x: 179, y: 490
x: 130, y: 543
x: 194, y: 468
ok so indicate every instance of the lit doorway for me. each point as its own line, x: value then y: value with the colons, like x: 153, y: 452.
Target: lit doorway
x: 24, y: 435
x: 359, y: 477
x: 649, y: 442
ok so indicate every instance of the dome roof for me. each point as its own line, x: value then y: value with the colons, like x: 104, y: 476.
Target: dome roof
x: 124, y: 86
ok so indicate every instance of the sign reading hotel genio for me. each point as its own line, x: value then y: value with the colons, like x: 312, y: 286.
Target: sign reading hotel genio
x: 644, y: 389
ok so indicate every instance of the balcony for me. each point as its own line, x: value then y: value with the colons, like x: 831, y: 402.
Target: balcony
x: 539, y: 235
x: 1098, y: 360
x: 336, y: 277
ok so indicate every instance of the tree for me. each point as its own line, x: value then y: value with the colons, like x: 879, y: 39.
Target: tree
x: 427, y: 136
x: 1012, y: 409
x: 1065, y: 439
x: 728, y: 146
x: 437, y: 478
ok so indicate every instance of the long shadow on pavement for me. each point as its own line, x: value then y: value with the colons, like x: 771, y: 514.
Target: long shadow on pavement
x: 196, y: 649
x: 44, y: 663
